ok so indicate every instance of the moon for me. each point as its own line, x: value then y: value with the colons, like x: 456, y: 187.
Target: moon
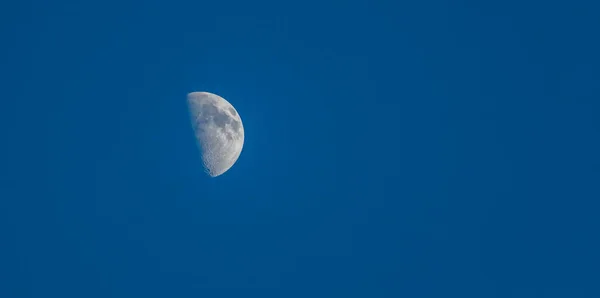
x: 218, y: 129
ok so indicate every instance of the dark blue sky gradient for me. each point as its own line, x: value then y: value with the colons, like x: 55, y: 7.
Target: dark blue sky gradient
x: 393, y: 149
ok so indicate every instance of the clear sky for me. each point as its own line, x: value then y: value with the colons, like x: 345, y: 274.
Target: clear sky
x: 429, y: 148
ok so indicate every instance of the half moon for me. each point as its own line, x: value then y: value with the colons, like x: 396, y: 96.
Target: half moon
x: 218, y: 129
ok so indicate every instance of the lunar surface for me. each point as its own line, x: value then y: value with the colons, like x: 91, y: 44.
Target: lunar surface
x: 219, y: 131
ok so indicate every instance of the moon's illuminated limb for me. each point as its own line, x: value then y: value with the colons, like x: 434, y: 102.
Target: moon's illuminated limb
x: 219, y: 131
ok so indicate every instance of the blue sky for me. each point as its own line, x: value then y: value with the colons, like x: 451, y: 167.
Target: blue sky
x: 393, y: 149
